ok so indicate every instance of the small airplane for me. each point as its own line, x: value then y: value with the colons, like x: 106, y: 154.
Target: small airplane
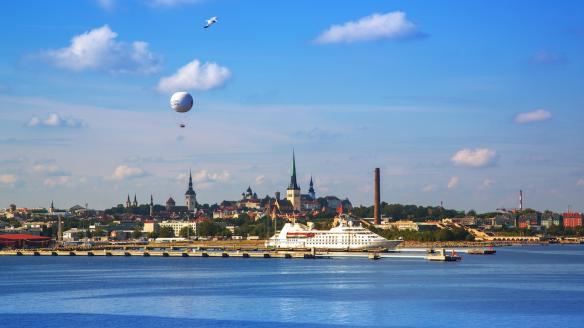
x: 182, y: 125
x: 211, y: 21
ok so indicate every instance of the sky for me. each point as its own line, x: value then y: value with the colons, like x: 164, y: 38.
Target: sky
x: 460, y: 102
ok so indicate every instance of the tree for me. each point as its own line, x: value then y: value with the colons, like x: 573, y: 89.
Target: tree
x: 186, y: 232
x: 137, y: 234
x: 166, y: 232
x: 99, y: 232
x: 207, y: 228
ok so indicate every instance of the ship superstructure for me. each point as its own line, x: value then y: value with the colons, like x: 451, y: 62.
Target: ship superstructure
x: 345, y: 236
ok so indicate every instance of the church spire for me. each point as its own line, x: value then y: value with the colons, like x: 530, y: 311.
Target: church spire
x: 293, y: 181
x: 190, y: 195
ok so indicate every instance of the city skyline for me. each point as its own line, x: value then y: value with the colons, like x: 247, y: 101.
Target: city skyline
x: 467, y: 116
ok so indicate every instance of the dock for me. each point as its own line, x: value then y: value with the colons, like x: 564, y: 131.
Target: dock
x: 267, y: 254
x: 149, y: 253
x: 470, y: 251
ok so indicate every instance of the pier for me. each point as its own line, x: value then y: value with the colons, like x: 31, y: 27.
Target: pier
x: 160, y: 253
x: 422, y: 254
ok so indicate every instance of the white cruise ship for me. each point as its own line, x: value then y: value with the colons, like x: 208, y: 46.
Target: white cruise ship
x: 345, y: 236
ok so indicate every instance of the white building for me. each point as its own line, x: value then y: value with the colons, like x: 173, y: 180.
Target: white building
x: 73, y: 234
x: 178, y: 225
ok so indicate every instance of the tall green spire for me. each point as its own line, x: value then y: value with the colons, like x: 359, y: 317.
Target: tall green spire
x: 293, y: 182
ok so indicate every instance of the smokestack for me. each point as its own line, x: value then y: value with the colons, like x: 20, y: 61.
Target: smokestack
x: 521, y: 200
x: 59, y: 230
x: 376, y: 200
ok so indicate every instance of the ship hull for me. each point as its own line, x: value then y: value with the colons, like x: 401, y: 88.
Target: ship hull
x: 344, y: 237
x: 283, y: 245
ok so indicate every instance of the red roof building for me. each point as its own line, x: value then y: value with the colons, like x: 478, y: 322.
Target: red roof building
x: 572, y: 220
x: 23, y: 240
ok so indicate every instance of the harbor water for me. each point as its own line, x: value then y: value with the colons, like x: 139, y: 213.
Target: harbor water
x: 522, y: 286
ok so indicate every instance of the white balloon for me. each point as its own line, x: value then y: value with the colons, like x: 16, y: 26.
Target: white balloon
x: 181, y: 101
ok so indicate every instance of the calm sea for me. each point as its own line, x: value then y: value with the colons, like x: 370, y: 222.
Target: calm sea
x: 531, y: 286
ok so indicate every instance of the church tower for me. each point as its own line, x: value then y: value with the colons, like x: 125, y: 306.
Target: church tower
x: 135, y: 202
x: 293, y: 191
x: 190, y: 195
x: 128, y: 203
x: 311, y: 192
x: 52, y: 208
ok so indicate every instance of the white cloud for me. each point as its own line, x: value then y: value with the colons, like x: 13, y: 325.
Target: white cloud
x: 127, y: 172
x: 55, y: 120
x: 428, y: 188
x: 537, y: 115
x: 204, y: 176
x: 580, y: 182
x: 393, y: 25
x: 98, y: 49
x: 197, y: 76
x: 7, y: 178
x: 453, y: 183
x: 45, y: 168
x: 57, y: 181
x: 260, y: 179
x: 486, y: 184
x: 479, y: 157
x: 182, y: 177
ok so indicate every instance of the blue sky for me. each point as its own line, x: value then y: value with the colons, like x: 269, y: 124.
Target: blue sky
x: 456, y: 101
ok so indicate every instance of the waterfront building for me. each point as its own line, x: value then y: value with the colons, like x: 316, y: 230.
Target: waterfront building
x: 572, y: 220
x: 119, y: 234
x: 190, y: 195
x: 178, y: 225
x: 527, y: 220
x: 73, y: 234
x: 549, y: 219
x: 293, y: 191
x: 150, y: 226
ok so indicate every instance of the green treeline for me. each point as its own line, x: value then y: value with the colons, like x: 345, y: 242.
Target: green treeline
x: 454, y: 234
x: 409, y: 212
